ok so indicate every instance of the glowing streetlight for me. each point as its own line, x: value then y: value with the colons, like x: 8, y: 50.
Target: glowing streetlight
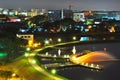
x: 59, y: 39
x: 30, y: 42
x: 92, y: 65
x: 13, y: 75
x: 74, y: 38
x: 89, y: 27
x: 35, y: 45
x: 46, y: 54
x: 112, y: 29
x: 28, y: 49
x: 53, y: 71
x: 47, y: 42
x: 34, y: 61
x: 26, y: 54
x: 54, y: 56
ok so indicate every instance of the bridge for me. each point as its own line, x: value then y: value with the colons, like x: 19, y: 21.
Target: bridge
x: 67, y: 63
x: 54, y: 56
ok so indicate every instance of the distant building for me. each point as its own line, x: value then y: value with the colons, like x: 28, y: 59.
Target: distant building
x: 101, y: 14
x: 107, y: 14
x: 4, y: 18
x: 29, y: 37
x: 54, y: 15
x: 26, y: 36
x: 14, y: 19
x: 67, y: 13
x: 78, y: 16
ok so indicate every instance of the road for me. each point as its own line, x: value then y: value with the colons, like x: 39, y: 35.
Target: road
x: 28, y: 69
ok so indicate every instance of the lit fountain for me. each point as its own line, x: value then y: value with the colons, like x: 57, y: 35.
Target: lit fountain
x: 59, y: 52
x: 92, y: 57
x: 97, y: 56
x: 74, y: 50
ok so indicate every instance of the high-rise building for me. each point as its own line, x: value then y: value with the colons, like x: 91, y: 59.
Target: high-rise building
x: 54, y: 15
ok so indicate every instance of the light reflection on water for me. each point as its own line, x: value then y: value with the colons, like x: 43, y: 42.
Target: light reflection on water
x: 110, y: 72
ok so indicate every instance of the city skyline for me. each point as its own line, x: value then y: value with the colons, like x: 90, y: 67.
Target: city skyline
x: 108, y: 5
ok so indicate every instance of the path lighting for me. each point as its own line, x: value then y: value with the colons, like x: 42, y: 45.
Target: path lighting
x: 89, y: 27
x: 97, y: 66
x: 92, y: 65
x: 53, y: 71
x: 34, y: 61
x: 28, y: 49
x: 65, y: 56
x: 26, y: 54
x: 47, y: 42
x: 35, y: 45
x: 74, y: 38
x: 59, y: 40
x: 68, y: 56
x: 13, y: 75
x: 54, y: 56
x: 30, y: 42
x: 46, y: 53
x: 50, y: 39
x: 112, y: 29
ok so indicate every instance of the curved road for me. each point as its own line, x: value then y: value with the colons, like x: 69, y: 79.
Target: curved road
x: 28, y: 69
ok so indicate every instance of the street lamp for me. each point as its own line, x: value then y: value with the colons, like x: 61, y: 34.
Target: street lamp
x: 59, y: 40
x: 26, y: 54
x: 74, y: 38
x: 47, y: 42
x: 33, y: 61
x: 53, y: 71
x: 28, y: 49
x: 13, y: 75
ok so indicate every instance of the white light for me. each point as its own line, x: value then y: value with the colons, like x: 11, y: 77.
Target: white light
x: 54, y: 56
x: 92, y: 65
x: 46, y: 53
x: 97, y: 22
x: 59, y: 52
x: 33, y: 62
x: 86, y: 64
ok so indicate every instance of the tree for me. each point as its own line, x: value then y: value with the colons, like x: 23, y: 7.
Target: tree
x: 36, y: 20
x: 68, y: 24
x: 12, y: 46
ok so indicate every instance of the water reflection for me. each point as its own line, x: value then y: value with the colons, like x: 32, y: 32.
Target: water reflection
x: 110, y: 72
x: 97, y: 56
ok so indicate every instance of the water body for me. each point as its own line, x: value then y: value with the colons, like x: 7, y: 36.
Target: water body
x: 111, y: 70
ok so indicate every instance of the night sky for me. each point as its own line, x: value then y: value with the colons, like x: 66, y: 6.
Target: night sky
x: 59, y: 4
